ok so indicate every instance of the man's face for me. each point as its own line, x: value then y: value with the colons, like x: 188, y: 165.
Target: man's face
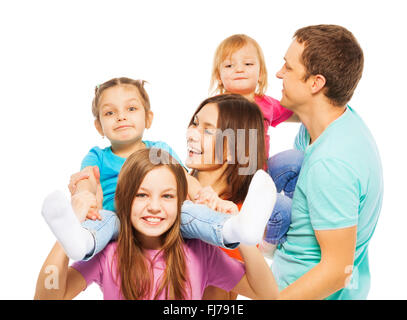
x: 296, y: 91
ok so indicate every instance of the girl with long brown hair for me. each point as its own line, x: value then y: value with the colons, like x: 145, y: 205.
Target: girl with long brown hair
x: 151, y: 260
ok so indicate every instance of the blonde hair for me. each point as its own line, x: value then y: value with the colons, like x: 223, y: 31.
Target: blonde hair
x: 225, y: 49
x: 139, y: 84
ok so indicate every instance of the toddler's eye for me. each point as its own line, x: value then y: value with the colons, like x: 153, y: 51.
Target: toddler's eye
x: 132, y: 108
x: 108, y: 113
x: 228, y: 66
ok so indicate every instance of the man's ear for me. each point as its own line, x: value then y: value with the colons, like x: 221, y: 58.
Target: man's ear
x: 149, y: 119
x: 318, y: 83
x: 98, y: 127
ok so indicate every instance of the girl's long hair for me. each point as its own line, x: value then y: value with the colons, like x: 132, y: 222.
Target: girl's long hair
x: 238, y: 113
x: 134, y: 269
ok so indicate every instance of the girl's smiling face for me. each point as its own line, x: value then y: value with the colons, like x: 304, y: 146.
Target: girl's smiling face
x: 240, y: 72
x: 122, y: 116
x: 154, y: 208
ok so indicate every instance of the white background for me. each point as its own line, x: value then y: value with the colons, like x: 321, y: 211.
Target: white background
x: 53, y: 53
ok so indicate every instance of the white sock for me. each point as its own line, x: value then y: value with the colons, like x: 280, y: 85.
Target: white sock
x: 58, y: 213
x: 248, y: 226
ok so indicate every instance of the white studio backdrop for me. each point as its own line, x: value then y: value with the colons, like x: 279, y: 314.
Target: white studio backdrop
x: 55, y: 52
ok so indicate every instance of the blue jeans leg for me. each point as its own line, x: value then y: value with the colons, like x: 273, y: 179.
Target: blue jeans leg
x: 280, y: 220
x: 103, y: 231
x: 284, y: 168
x: 200, y: 222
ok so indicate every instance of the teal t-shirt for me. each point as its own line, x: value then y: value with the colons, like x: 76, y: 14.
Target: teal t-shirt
x: 110, y: 165
x: 340, y: 185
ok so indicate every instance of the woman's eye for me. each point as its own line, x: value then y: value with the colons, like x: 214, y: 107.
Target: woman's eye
x: 168, y: 196
x: 208, y: 131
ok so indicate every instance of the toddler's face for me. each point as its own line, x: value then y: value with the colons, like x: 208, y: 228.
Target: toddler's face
x: 155, y: 207
x: 240, y: 72
x: 122, y: 117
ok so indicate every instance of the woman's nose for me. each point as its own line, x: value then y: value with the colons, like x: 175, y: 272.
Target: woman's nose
x: 193, y: 134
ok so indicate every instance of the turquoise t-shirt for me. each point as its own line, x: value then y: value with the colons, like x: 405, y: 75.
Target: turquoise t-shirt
x: 110, y: 165
x: 340, y: 185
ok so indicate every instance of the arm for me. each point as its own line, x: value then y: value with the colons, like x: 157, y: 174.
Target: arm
x: 208, y: 197
x: 88, y: 181
x: 332, y: 272
x: 258, y: 282
x: 56, y: 280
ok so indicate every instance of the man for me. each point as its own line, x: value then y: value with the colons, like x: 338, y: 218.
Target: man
x: 338, y: 195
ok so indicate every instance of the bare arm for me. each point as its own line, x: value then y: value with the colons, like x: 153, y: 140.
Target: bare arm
x: 88, y: 180
x: 258, y: 282
x: 56, y: 280
x: 331, y: 274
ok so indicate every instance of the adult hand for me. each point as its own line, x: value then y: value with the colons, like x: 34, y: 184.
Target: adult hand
x: 210, y: 198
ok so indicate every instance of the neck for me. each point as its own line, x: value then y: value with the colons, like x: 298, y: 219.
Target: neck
x: 214, y: 179
x: 249, y: 96
x: 316, y: 117
x: 125, y: 150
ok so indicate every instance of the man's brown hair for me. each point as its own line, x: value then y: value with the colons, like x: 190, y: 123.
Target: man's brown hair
x: 332, y: 51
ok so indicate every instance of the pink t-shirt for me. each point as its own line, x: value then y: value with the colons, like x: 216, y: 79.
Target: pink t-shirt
x: 206, y: 266
x: 274, y: 113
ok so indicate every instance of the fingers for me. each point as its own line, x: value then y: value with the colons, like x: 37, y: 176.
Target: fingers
x: 75, y: 178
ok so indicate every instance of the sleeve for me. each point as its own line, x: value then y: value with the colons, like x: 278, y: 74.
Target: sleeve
x: 301, y: 139
x: 280, y: 114
x: 333, y: 195
x: 93, y: 158
x: 222, y: 271
x: 90, y: 270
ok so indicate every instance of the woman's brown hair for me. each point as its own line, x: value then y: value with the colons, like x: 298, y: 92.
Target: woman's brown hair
x: 239, y: 115
x: 134, y: 269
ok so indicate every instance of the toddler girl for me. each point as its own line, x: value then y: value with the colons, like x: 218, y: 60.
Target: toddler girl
x: 239, y: 67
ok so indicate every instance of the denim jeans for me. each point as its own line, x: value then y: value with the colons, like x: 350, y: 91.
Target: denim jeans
x: 200, y: 222
x: 284, y: 168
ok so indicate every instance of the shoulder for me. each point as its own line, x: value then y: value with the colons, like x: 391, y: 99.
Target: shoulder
x: 199, y: 248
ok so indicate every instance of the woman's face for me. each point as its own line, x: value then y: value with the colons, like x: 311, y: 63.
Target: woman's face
x: 201, y: 140
x: 155, y: 207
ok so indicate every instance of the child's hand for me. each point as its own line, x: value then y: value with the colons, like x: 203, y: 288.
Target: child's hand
x: 84, y: 204
x: 209, y: 197
x: 75, y: 178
